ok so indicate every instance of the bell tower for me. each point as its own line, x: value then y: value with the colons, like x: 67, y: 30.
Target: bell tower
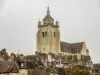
x: 48, y: 35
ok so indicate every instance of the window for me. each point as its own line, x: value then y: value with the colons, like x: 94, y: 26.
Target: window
x: 54, y: 34
x: 43, y: 34
x: 81, y: 57
x: 76, y: 56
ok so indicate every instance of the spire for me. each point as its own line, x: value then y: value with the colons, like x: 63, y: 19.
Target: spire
x: 48, y: 19
x: 48, y: 11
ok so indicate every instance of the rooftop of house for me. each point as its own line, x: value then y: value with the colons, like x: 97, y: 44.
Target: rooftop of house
x: 7, y: 67
x: 4, y: 54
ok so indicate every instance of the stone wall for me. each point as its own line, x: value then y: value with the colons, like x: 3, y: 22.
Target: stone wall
x: 50, y: 42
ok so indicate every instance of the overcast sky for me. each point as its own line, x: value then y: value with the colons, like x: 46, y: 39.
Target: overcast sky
x: 79, y: 21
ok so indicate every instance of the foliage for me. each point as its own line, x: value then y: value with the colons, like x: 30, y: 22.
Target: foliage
x: 78, y: 72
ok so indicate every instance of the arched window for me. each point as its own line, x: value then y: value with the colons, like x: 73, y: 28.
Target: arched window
x: 54, y: 34
x: 76, y: 56
x: 81, y: 57
x: 43, y: 34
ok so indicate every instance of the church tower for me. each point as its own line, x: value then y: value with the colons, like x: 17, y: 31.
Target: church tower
x: 48, y: 35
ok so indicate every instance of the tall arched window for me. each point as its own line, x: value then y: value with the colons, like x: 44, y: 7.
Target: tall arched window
x: 54, y: 34
x: 81, y: 57
x: 43, y: 34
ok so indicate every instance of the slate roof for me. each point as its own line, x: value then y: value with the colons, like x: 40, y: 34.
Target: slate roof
x: 4, y: 54
x: 20, y: 58
x: 48, y: 17
x: 71, y: 47
x: 32, y: 62
x: 31, y: 57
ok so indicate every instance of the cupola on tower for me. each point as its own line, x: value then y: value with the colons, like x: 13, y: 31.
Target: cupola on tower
x: 48, y: 35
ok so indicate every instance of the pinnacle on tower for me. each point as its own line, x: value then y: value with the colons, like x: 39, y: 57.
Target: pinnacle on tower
x: 39, y: 23
x: 57, y: 23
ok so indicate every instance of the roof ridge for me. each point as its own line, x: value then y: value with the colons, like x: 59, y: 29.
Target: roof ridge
x: 77, y: 42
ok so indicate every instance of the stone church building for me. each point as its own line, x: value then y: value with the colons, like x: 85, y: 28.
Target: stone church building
x: 48, y: 41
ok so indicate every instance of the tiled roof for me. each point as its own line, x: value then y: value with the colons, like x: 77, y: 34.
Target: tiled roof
x: 4, y: 54
x: 65, y: 47
x: 31, y: 57
x: 33, y: 62
x: 8, y: 67
x: 48, y: 17
x: 71, y: 47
